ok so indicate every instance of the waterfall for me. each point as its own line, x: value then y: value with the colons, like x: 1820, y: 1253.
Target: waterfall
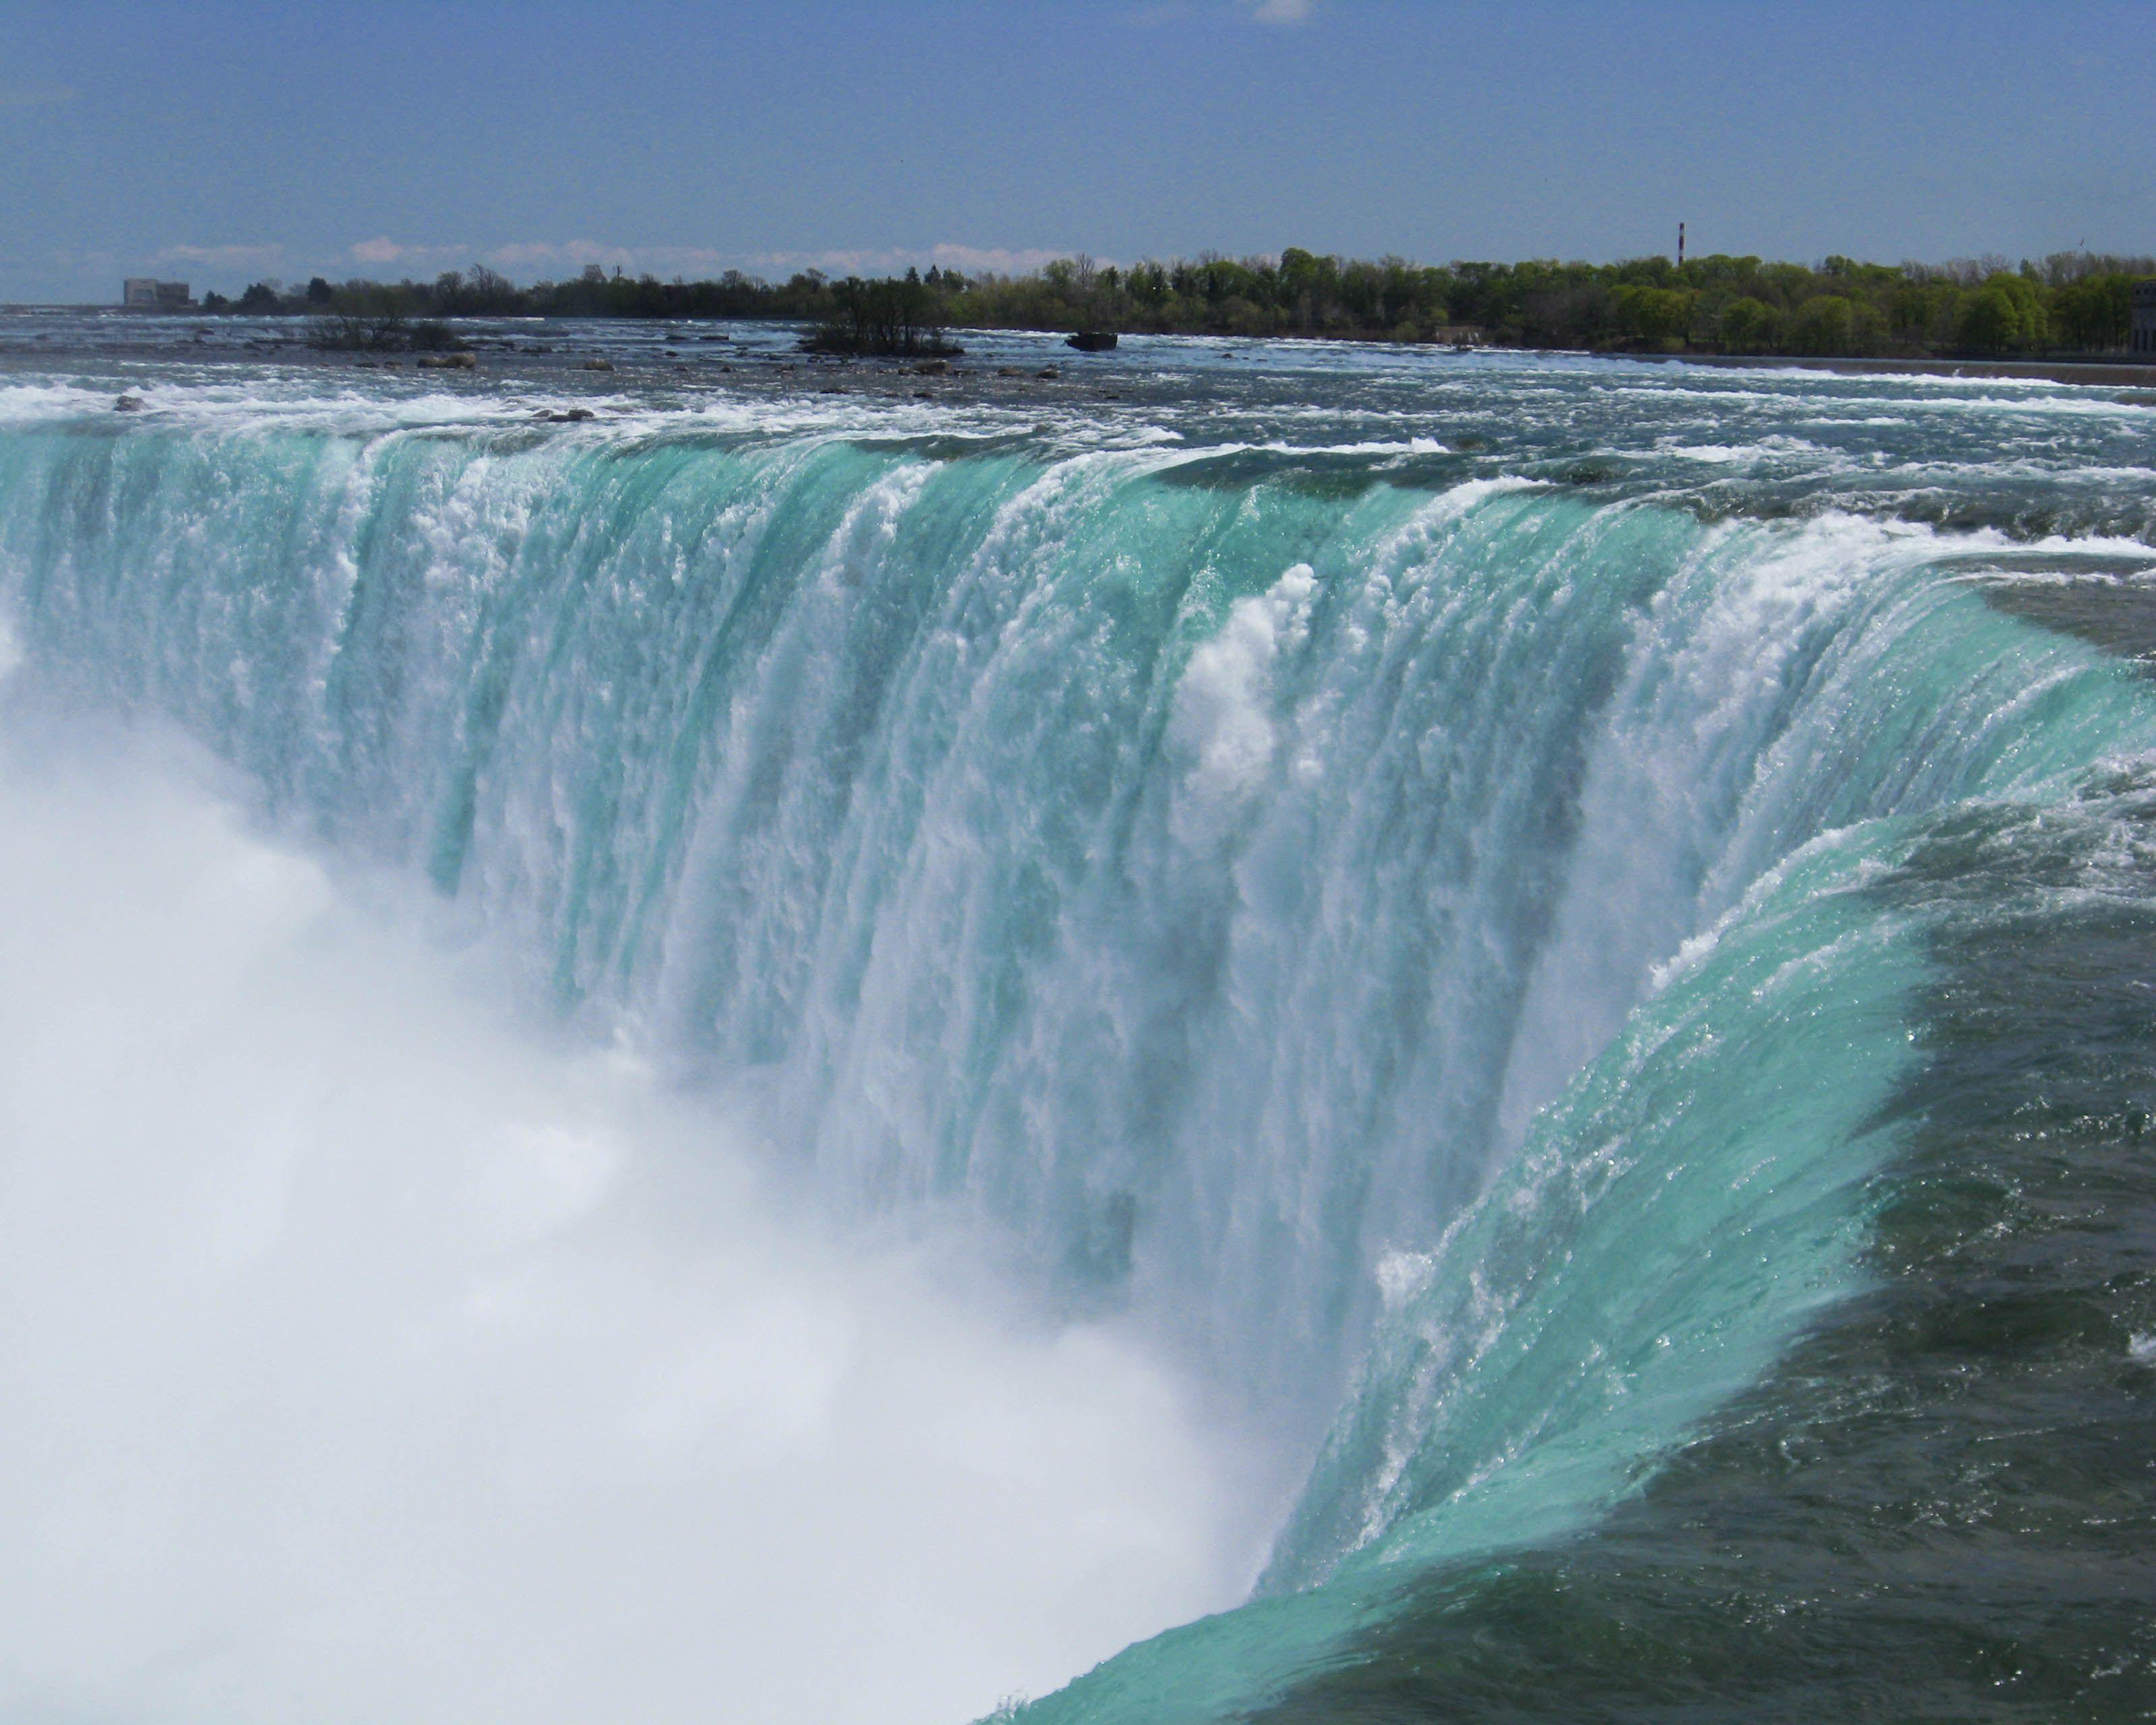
x: 1408, y: 944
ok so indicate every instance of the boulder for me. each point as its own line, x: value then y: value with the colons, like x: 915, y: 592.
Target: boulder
x: 128, y: 404
x: 596, y: 364
x: 1092, y: 340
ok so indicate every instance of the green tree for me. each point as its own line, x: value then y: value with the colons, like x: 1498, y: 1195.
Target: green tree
x: 2006, y: 314
x: 1750, y: 326
x: 1656, y: 317
x: 1823, y: 324
x: 1992, y: 319
x: 2094, y: 313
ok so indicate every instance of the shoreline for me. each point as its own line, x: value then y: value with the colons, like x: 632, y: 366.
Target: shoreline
x: 2121, y: 373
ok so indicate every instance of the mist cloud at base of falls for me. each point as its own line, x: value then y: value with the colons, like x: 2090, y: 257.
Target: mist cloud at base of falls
x: 370, y: 1356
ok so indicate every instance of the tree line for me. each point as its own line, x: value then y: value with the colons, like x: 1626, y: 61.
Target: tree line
x: 2069, y: 303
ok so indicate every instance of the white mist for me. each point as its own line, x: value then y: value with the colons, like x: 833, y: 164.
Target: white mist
x: 365, y: 1358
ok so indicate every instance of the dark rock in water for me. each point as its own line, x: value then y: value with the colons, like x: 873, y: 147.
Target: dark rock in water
x: 1092, y: 340
x: 446, y: 362
x: 932, y: 368
x: 1048, y: 372
x: 128, y: 404
x: 569, y: 418
x: 1011, y: 370
x: 598, y: 365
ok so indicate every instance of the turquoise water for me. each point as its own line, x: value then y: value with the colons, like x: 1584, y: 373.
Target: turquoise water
x: 1445, y: 892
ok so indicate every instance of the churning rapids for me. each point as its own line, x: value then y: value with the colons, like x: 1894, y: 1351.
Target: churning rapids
x: 1298, y: 1035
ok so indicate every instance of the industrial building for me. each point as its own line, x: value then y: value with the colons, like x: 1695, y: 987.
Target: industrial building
x: 145, y: 293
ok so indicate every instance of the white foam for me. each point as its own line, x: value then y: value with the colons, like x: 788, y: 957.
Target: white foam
x: 1223, y: 726
x: 362, y: 1357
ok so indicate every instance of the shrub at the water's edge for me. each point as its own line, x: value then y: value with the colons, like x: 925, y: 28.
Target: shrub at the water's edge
x: 898, y: 319
x: 388, y: 332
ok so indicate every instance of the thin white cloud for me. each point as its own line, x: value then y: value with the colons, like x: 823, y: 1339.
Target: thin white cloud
x: 972, y: 260
x: 1154, y: 13
x: 998, y: 258
x: 530, y: 260
x: 13, y: 101
x: 526, y: 258
x: 241, y: 258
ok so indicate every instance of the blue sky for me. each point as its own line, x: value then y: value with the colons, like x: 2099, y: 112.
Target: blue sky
x: 224, y: 139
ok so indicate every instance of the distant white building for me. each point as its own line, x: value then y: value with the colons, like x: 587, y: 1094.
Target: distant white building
x: 145, y: 293
x: 2141, y: 336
